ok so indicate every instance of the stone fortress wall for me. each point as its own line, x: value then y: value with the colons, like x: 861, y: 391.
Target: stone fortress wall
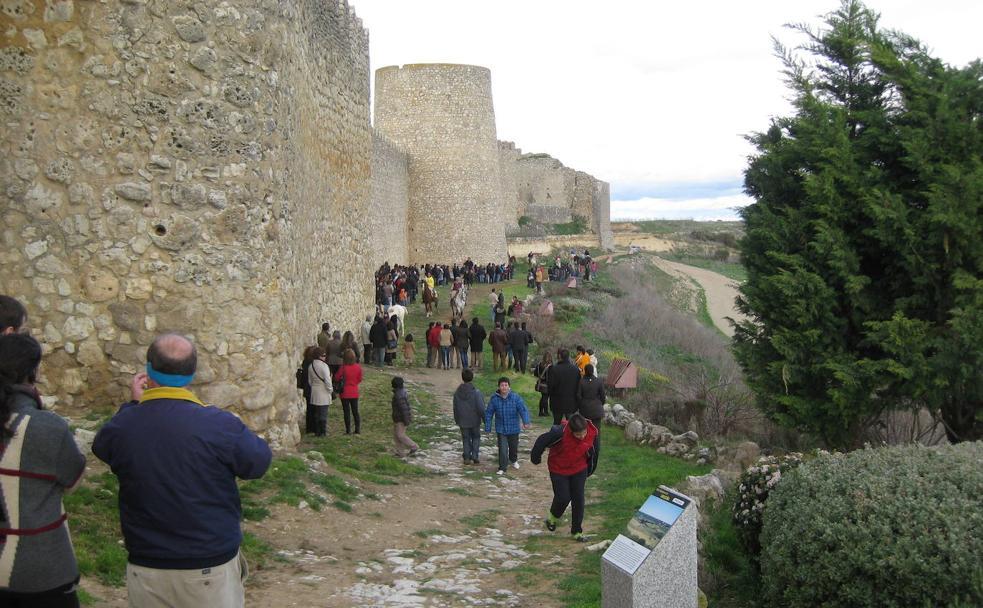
x: 389, y: 208
x: 201, y: 167
x: 543, y: 189
x: 442, y: 116
x: 210, y: 168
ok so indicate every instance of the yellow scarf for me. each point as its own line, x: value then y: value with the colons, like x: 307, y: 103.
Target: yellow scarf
x: 169, y: 392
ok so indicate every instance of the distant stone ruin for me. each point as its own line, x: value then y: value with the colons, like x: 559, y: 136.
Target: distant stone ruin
x: 210, y: 168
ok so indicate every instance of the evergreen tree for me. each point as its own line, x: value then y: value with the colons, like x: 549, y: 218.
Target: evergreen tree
x: 864, y: 290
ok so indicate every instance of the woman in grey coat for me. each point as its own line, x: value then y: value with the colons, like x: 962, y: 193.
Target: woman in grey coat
x: 41, y: 463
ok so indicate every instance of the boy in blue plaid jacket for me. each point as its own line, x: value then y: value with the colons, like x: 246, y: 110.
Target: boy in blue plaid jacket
x: 511, y: 416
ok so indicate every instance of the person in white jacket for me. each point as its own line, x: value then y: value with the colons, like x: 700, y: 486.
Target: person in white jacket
x: 319, y: 377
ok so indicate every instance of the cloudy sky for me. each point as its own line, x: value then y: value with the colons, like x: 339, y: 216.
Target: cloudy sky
x: 653, y: 97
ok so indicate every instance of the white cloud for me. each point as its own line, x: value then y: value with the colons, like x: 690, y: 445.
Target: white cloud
x: 719, y: 208
x: 636, y: 92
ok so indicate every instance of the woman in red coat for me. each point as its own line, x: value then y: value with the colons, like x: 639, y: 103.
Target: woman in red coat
x: 350, y: 375
x: 571, y: 461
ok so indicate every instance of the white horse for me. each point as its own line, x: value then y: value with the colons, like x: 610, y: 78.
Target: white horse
x: 398, y: 311
x: 458, y: 303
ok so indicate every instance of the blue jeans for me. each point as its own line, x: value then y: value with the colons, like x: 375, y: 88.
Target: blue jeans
x: 471, y: 440
x: 380, y: 355
x: 445, y: 356
x: 464, y: 356
x: 508, y: 450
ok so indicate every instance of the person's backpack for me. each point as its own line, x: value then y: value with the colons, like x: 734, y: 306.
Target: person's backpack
x: 301, y: 376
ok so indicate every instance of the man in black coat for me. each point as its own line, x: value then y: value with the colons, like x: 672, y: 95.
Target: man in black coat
x: 519, y: 340
x: 564, y: 380
x: 378, y: 337
x: 478, y: 336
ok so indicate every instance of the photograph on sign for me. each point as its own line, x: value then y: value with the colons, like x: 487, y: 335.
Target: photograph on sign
x: 654, y: 519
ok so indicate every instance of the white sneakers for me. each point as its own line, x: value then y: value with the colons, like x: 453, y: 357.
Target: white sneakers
x: 515, y: 465
x: 500, y: 472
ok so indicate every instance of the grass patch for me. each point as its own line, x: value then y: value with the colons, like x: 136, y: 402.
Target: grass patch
x: 481, y: 519
x: 335, y: 486
x: 669, y: 227
x: 702, y: 311
x: 458, y: 491
x: 94, y: 519
x: 577, y: 226
x: 428, y: 532
x: 86, y: 598
x: 734, y: 581
x: 258, y: 553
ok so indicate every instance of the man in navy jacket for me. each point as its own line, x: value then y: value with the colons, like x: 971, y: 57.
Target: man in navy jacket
x: 177, y: 461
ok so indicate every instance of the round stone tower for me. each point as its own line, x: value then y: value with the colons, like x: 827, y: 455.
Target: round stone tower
x: 442, y: 116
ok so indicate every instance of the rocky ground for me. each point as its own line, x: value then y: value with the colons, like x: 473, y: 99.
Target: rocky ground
x: 454, y: 538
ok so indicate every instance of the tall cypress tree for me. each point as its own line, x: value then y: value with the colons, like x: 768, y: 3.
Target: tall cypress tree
x: 863, y: 244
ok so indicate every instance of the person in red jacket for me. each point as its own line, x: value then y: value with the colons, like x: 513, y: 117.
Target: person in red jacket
x: 433, y: 344
x: 350, y: 376
x: 571, y: 461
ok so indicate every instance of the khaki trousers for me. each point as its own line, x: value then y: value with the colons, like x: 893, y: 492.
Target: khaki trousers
x: 216, y: 587
x: 402, y: 440
x: 498, y: 361
x: 476, y: 359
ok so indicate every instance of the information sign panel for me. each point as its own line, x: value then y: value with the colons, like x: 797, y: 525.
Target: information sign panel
x: 653, y: 520
x: 626, y: 554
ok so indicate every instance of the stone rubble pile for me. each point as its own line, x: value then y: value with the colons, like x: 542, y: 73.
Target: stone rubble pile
x: 685, y: 445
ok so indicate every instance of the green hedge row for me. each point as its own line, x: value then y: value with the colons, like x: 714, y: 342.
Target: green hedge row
x: 889, y: 527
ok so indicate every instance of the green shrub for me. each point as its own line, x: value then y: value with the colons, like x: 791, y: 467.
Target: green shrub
x: 753, y: 488
x: 889, y: 527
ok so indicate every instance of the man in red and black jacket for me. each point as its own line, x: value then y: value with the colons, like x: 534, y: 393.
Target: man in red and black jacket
x: 571, y: 461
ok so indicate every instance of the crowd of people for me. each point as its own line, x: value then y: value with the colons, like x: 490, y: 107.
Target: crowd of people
x: 564, y: 266
x: 182, y: 531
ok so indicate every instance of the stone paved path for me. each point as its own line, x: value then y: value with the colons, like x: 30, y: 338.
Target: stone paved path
x: 454, y: 538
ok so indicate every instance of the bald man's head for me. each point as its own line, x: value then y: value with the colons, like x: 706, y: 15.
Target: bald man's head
x: 173, y: 354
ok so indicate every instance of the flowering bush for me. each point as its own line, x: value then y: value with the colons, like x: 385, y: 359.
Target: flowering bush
x: 753, y: 488
x: 884, y: 528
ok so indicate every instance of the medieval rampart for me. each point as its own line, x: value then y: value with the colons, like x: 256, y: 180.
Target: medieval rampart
x: 189, y: 166
x: 388, y: 228
x: 442, y: 116
x: 548, y: 192
x: 210, y: 169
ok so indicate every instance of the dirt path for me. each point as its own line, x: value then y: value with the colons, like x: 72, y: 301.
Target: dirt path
x: 720, y: 291
x: 450, y: 539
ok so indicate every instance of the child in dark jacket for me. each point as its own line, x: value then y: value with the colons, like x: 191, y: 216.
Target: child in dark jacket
x: 469, y: 411
x: 571, y: 461
x: 402, y: 417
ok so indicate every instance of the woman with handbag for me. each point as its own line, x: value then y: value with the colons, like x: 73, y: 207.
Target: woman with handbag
x: 319, y: 377
x: 542, y: 371
x: 346, y: 383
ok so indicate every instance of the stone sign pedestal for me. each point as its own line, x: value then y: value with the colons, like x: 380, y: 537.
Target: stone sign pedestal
x: 656, y: 565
